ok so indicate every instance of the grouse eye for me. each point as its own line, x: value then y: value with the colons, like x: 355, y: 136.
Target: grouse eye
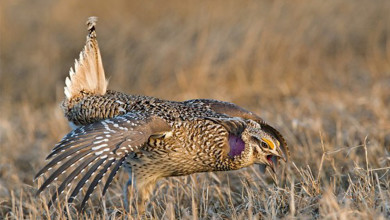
x: 268, y: 143
x: 264, y: 145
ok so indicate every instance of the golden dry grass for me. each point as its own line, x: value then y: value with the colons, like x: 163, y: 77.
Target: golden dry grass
x: 317, y: 70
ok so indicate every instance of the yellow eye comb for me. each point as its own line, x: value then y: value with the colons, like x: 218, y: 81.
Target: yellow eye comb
x: 269, y: 142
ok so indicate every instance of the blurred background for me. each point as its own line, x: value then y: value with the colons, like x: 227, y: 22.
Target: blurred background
x: 317, y: 70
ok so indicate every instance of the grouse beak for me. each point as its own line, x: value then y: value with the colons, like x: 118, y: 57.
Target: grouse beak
x: 272, y: 160
x: 271, y: 163
x: 281, y: 154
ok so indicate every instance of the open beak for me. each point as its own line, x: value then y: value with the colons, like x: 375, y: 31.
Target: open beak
x: 272, y: 161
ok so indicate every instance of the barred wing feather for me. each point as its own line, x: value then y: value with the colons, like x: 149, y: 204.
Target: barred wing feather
x: 93, y: 150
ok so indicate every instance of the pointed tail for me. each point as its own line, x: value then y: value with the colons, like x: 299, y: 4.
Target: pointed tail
x: 88, y: 74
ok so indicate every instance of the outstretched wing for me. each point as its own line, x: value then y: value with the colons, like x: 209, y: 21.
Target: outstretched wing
x: 91, y: 151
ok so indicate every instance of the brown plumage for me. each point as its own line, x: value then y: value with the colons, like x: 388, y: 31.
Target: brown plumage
x: 152, y: 138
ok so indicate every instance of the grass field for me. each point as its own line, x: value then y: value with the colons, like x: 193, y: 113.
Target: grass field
x: 317, y: 70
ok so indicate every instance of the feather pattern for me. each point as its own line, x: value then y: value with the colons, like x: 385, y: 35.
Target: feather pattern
x: 109, y: 146
x: 96, y: 180
x: 85, y: 179
x: 112, y: 174
x: 154, y: 138
x: 90, y: 61
x: 69, y: 178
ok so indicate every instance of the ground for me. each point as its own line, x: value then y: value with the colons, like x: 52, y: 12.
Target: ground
x: 317, y: 70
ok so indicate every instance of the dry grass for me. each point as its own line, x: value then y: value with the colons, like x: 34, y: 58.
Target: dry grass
x: 317, y: 70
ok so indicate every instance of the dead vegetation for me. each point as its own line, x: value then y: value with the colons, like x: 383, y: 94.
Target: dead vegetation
x: 319, y: 71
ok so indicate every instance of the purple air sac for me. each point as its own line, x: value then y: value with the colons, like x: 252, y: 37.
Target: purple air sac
x: 236, y: 144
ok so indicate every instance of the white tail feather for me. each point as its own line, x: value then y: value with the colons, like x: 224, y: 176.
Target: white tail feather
x: 88, y: 74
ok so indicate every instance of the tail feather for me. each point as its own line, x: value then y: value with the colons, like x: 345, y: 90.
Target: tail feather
x: 88, y: 74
